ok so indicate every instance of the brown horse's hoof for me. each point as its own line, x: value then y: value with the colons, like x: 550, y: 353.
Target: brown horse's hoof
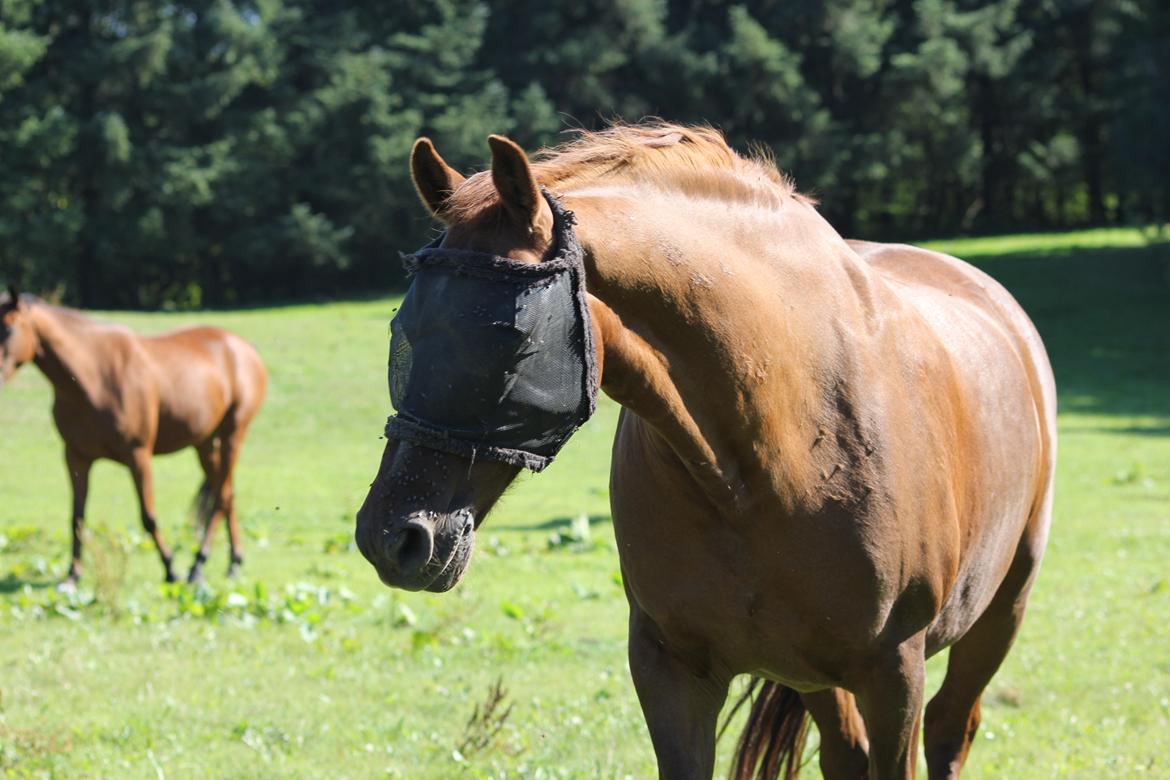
x: 67, y: 585
x: 195, y: 576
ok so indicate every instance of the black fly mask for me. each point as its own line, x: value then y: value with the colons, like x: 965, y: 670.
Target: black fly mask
x: 491, y: 357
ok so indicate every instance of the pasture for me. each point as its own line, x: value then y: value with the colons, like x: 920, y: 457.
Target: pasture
x: 308, y: 667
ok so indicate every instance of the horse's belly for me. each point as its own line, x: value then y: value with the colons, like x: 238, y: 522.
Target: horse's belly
x: 185, y: 425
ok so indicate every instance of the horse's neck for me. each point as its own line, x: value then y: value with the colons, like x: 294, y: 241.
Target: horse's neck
x: 66, y: 350
x: 712, y: 330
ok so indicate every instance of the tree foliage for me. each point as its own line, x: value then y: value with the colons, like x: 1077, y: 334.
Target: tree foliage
x: 211, y: 152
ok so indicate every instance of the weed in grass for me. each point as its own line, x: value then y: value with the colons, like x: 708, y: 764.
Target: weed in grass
x: 578, y: 537
x: 497, y: 547
x: 17, y: 745
x: 20, y: 538
x: 266, y: 741
x: 405, y: 617
x: 1135, y: 473
x: 302, y: 604
x: 339, y: 543
x: 585, y: 593
x: 486, y: 721
x: 109, y: 555
x: 29, y: 604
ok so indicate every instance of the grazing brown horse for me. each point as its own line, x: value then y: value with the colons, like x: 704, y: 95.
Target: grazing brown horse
x: 127, y: 397
x: 834, y: 459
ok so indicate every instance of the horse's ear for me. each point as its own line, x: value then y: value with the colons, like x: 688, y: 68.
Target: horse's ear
x: 513, y: 177
x: 14, y: 295
x: 433, y: 178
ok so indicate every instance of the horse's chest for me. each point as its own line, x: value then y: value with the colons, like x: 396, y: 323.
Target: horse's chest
x: 759, y: 599
x: 738, y: 602
x: 96, y: 431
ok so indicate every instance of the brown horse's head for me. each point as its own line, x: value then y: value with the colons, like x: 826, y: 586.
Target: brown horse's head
x: 18, y: 341
x: 417, y: 524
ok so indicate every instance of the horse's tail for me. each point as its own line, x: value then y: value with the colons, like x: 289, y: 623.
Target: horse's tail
x: 773, y: 737
x: 202, y: 506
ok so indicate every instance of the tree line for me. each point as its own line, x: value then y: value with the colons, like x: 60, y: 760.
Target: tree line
x: 217, y: 153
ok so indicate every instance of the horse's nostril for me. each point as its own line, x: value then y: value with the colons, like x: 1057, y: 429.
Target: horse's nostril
x: 412, y: 547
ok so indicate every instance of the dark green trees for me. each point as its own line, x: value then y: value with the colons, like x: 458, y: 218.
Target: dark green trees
x: 207, y: 153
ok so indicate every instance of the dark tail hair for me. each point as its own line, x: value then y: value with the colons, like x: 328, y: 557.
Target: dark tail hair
x: 773, y: 737
x: 202, y: 506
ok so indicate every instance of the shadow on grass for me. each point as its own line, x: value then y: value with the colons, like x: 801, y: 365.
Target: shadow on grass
x: 11, y: 584
x: 1138, y: 430
x: 554, y: 524
x: 1104, y: 315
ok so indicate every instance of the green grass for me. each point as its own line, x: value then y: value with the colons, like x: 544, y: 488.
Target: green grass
x: 313, y: 669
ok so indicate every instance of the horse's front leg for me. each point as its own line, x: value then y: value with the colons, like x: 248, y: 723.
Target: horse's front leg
x: 890, y: 700
x: 78, y: 466
x: 680, y: 701
x: 140, y: 469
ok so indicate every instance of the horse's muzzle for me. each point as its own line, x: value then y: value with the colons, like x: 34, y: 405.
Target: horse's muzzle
x: 423, y: 551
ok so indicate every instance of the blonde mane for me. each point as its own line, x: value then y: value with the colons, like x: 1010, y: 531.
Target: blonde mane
x: 694, y: 160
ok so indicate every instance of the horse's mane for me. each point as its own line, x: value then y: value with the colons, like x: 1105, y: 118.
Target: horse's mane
x: 6, y: 299
x: 74, y: 316
x: 691, y: 159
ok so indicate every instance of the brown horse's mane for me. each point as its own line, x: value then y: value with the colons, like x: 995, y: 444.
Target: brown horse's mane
x: 72, y: 318
x: 695, y: 160
x: 75, y: 317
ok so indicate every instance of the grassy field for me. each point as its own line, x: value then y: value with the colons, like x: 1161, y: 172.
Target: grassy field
x: 308, y: 667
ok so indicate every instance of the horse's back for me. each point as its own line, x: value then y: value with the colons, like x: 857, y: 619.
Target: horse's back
x: 206, y: 377
x: 934, y: 282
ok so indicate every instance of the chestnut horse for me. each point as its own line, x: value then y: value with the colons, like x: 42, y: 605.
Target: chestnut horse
x: 834, y: 458
x: 126, y: 397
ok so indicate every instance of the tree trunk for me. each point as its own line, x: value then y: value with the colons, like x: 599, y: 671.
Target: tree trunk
x: 1091, y: 129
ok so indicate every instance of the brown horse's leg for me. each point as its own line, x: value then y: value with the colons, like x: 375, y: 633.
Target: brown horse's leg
x: 680, y: 703
x: 237, y: 551
x: 232, y: 440
x: 140, y: 469
x: 211, y: 505
x: 890, y: 701
x: 952, y: 717
x: 78, y: 467
x: 844, y: 745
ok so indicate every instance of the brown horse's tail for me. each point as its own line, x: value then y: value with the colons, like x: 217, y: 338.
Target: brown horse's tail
x: 202, y: 506
x: 773, y: 738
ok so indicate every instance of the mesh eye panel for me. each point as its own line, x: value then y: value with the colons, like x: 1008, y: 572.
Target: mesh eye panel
x: 400, y: 362
x: 490, y: 357
x: 555, y: 374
